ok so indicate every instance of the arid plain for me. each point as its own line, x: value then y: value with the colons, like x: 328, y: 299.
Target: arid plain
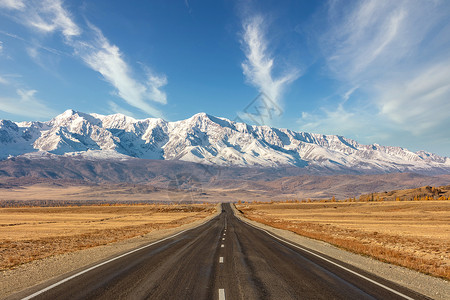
x: 413, y: 234
x: 30, y: 233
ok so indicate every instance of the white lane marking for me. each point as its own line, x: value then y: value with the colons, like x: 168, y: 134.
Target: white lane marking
x: 221, y: 259
x: 221, y: 246
x: 333, y: 263
x: 106, y: 262
x: 221, y: 294
x: 223, y: 239
x: 224, y: 233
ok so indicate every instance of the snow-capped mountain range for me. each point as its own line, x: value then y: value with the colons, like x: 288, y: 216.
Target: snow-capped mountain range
x: 204, y: 139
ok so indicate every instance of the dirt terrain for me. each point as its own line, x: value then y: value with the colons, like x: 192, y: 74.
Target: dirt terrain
x: 413, y: 234
x: 30, y: 233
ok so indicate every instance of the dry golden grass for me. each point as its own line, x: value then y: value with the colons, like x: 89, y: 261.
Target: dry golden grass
x: 415, y: 235
x: 33, y: 233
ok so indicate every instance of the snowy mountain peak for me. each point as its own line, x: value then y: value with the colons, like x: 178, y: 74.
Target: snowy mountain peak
x: 200, y: 115
x: 70, y: 116
x: 205, y: 139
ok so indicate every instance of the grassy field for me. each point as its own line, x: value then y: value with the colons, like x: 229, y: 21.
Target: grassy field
x: 413, y: 234
x: 31, y: 233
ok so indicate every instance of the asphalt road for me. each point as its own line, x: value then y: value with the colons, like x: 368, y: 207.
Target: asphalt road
x: 223, y: 259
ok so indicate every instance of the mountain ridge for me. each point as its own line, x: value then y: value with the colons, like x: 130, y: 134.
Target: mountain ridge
x: 204, y: 139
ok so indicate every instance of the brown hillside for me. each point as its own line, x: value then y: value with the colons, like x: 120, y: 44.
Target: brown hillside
x: 422, y: 193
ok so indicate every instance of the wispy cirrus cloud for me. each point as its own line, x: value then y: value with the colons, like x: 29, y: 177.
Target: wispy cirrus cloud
x: 362, y: 35
x: 422, y: 99
x: 22, y: 101
x: 50, y: 16
x: 397, y: 55
x: 188, y: 6
x: 26, y: 104
x: 46, y: 16
x: 3, y: 80
x: 12, y: 4
x: 96, y: 51
x: 107, y: 59
x: 259, y: 65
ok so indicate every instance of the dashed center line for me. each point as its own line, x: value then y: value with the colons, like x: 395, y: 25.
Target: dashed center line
x: 332, y: 262
x: 223, y: 239
x: 221, y: 259
x: 221, y: 246
x: 106, y: 262
x: 221, y: 294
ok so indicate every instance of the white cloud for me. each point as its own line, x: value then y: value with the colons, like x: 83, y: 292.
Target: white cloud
x: 26, y: 104
x: 364, y: 36
x: 186, y: 3
x: 422, y: 100
x: 372, y: 39
x: 12, y: 4
x: 396, y: 54
x: 34, y: 44
x: 349, y: 93
x: 155, y: 82
x: 32, y: 52
x: 107, y: 59
x: 49, y: 16
x: 96, y: 51
x: 3, y: 81
x: 360, y: 125
x: 259, y: 64
x: 330, y: 121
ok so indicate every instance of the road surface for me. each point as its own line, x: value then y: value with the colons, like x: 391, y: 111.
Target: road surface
x: 224, y: 258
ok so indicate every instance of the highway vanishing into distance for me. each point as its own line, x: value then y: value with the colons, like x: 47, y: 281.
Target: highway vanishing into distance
x: 224, y: 258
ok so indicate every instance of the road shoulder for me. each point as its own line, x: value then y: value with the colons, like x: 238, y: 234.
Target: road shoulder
x: 435, y: 288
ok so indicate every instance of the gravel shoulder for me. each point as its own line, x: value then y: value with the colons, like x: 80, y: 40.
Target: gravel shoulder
x: 60, y: 266
x: 432, y: 287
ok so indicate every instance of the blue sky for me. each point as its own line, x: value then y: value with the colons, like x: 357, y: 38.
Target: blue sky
x: 375, y: 71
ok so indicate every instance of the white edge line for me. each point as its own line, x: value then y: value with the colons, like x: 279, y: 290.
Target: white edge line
x: 221, y: 294
x: 108, y: 261
x: 333, y: 263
